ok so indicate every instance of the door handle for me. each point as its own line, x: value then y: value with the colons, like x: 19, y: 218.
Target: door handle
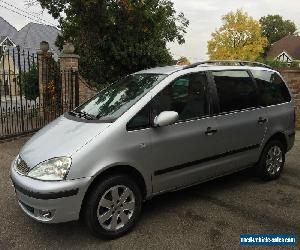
x: 211, y: 131
x: 262, y: 120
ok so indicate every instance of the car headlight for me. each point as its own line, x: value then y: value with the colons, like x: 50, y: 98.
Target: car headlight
x: 55, y: 169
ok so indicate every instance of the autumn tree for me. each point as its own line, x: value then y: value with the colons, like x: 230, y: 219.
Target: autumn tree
x: 239, y: 38
x: 274, y: 27
x: 118, y: 37
x: 183, y: 61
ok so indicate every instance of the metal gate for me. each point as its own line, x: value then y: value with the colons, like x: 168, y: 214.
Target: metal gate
x: 34, y: 91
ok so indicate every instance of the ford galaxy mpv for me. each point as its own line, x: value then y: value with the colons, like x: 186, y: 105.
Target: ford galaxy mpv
x: 154, y: 131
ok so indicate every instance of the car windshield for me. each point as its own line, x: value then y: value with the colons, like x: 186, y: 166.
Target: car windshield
x: 110, y: 103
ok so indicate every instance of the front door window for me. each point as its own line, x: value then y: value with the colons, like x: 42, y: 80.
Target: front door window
x: 186, y: 95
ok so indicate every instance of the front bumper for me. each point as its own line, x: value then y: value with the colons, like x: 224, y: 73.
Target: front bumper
x: 49, y: 202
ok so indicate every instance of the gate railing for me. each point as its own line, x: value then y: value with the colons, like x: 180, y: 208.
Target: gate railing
x: 33, y: 92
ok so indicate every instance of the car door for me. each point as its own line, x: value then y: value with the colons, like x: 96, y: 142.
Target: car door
x: 240, y: 122
x: 179, y: 151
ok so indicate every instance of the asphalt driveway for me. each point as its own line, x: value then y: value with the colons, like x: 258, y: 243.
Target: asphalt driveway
x: 208, y: 216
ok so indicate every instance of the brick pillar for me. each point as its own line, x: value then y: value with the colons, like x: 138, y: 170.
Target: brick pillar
x: 69, y: 62
x: 44, y: 58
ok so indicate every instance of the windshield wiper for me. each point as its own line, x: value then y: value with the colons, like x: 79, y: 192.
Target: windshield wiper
x: 82, y: 114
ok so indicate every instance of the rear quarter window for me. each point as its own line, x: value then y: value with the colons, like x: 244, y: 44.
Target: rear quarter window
x: 272, y: 88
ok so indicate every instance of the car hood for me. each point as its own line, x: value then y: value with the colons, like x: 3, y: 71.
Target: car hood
x: 62, y: 137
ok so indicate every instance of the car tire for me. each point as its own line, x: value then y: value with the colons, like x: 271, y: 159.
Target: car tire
x: 113, y: 207
x: 272, y: 161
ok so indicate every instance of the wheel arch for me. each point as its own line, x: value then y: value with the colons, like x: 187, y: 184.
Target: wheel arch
x: 115, y: 170
x: 281, y: 137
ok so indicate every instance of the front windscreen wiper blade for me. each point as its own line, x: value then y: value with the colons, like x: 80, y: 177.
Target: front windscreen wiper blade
x: 82, y: 114
x: 87, y: 116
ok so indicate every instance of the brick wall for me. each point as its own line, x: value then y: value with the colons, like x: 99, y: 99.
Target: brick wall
x: 85, y: 90
x: 293, y: 79
x: 70, y: 61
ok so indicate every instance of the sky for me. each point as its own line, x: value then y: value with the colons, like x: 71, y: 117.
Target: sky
x: 204, y: 16
x: 18, y: 14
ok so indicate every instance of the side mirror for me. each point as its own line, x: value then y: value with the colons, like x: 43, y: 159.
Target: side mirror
x: 166, y: 118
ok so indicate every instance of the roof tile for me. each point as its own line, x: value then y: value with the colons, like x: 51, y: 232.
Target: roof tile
x: 289, y: 44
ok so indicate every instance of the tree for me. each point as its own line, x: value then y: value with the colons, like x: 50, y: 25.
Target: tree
x: 183, y: 61
x: 239, y: 37
x: 275, y: 28
x: 118, y: 37
x: 30, y: 83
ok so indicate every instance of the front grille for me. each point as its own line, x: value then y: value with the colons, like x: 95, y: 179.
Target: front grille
x: 22, y: 166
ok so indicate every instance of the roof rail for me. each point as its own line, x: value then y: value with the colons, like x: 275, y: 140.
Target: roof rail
x: 228, y: 63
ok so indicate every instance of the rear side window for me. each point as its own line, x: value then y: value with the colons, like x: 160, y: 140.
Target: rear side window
x: 236, y: 90
x: 271, y: 87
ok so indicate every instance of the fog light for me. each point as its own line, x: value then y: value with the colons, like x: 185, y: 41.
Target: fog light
x: 46, y: 214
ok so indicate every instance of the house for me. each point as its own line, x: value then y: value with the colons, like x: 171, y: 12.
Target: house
x: 28, y: 40
x: 7, y: 29
x: 286, y: 50
x: 7, y: 74
x: 5, y: 42
x: 32, y: 34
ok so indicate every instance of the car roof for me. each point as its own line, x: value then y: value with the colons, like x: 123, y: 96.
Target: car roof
x: 168, y: 70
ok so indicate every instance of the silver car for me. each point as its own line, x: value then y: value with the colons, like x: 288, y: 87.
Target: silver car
x: 154, y: 131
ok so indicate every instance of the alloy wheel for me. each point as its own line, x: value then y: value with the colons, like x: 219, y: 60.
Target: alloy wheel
x: 116, y: 208
x: 274, y: 160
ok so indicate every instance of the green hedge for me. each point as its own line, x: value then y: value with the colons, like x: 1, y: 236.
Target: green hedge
x: 30, y: 83
x: 278, y: 64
